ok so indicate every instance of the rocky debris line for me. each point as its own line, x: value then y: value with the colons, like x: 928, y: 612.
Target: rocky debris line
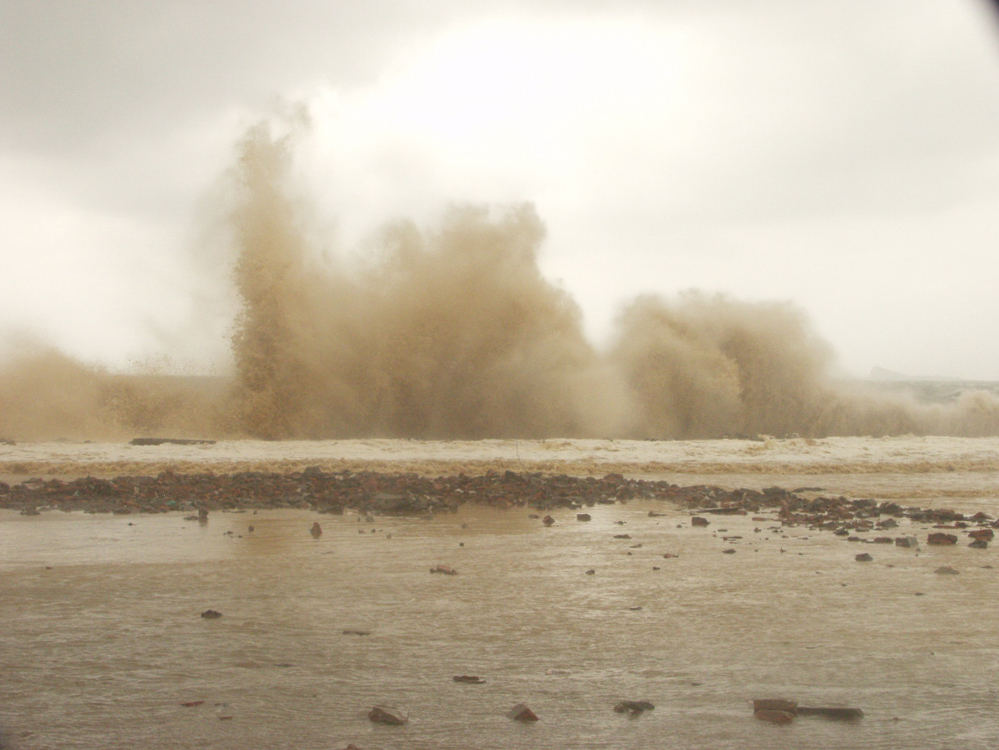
x: 368, y: 492
x: 376, y: 493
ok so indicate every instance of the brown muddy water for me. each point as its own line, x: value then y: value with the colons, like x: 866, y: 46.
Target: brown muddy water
x: 101, y: 638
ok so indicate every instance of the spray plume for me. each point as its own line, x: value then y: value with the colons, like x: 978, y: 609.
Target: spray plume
x: 452, y: 332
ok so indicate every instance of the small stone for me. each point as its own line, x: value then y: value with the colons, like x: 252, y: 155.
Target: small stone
x: 728, y: 551
x: 863, y: 557
x: 584, y: 517
x: 468, y: 679
x: 211, y: 614
x: 445, y: 569
x: 316, y: 530
x: 946, y: 571
x: 590, y: 572
x: 906, y: 541
x: 635, y: 707
x: 698, y: 521
x: 547, y: 520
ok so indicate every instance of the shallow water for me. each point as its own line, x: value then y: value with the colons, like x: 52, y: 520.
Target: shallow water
x: 101, y: 638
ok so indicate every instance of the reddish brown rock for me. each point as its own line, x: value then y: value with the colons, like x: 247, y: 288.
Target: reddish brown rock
x: 521, y: 712
x: 316, y: 530
x: 939, y: 538
x: 698, y: 521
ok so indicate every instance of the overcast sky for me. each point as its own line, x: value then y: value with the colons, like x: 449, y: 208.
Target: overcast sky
x: 840, y: 154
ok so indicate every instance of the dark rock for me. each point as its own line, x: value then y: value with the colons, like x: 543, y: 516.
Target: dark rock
x: 356, y: 632
x: 728, y: 551
x: 316, y: 530
x: 521, y: 712
x: 583, y: 517
x: 622, y: 536
x: 863, y: 557
x: 906, y: 541
x: 211, y: 614
x: 698, y: 521
x: 590, y: 572
x: 946, y: 571
x: 387, y: 715
x: 986, y: 534
x: 775, y: 704
x: 547, y: 520
x: 468, y: 679
x: 980, y: 544
x: 633, y: 706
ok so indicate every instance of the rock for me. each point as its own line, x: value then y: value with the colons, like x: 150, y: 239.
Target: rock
x: 387, y: 715
x: 986, y: 534
x: 906, y: 541
x: 590, y: 572
x: 316, y: 530
x: 946, y: 571
x: 622, y: 536
x: 980, y: 544
x: 211, y: 614
x: 468, y: 679
x: 698, y: 521
x: 547, y: 520
x: 728, y: 551
x: 444, y: 569
x: 356, y: 632
x: 521, y: 712
x: 583, y: 517
x: 670, y: 555
x: 863, y: 557
x: 633, y: 706
x: 941, y: 538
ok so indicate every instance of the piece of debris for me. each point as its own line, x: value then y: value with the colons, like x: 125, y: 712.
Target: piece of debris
x: 781, y: 711
x: 387, y: 715
x: 211, y: 614
x: 635, y: 707
x: 946, y: 571
x: 356, y: 632
x: 468, y: 679
x: 521, y: 712
x: 191, y: 704
x: 444, y: 569
x: 168, y: 441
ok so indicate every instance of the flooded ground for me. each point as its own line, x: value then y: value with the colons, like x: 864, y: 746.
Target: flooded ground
x: 101, y: 638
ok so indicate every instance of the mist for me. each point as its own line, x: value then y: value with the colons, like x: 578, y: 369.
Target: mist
x: 451, y: 331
